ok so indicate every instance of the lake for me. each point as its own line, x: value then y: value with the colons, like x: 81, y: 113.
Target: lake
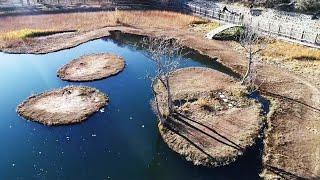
x: 121, y: 143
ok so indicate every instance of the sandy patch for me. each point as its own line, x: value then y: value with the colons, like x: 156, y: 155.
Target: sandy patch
x: 68, y: 105
x: 214, y: 122
x: 92, y: 67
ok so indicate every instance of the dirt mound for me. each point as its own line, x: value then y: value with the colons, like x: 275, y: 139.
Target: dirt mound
x: 92, y: 67
x: 68, y: 105
x: 214, y: 122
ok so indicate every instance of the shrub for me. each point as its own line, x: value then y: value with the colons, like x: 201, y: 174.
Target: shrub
x: 308, y: 5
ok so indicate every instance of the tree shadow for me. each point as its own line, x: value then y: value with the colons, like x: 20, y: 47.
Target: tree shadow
x: 291, y: 99
x: 182, y: 116
x: 176, y: 121
x: 282, y: 173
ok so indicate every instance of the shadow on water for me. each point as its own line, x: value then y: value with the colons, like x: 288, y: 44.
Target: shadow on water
x: 122, y: 143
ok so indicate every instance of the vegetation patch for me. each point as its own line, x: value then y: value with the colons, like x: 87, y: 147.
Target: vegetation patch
x: 213, y: 121
x: 27, y: 33
x: 85, y: 21
x: 68, y: 105
x: 289, y: 51
x: 92, y: 67
x: 204, y: 26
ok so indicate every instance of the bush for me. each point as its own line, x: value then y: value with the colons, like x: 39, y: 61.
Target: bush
x: 308, y: 5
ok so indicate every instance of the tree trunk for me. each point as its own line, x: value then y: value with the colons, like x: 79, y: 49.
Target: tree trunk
x: 245, y: 77
x: 170, y: 103
x: 161, y: 118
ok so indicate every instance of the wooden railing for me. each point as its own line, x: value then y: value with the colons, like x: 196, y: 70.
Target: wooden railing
x: 288, y: 31
x: 214, y: 14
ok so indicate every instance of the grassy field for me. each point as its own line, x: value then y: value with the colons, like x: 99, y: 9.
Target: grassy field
x: 92, y: 20
x: 288, y: 51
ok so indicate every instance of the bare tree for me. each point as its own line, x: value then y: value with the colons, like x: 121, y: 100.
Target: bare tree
x: 165, y: 52
x: 252, y: 44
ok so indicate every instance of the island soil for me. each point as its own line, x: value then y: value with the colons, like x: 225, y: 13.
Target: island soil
x: 92, y: 67
x: 294, y: 112
x: 214, y: 122
x: 68, y: 105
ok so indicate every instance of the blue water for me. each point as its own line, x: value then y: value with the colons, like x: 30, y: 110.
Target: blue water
x: 121, y: 143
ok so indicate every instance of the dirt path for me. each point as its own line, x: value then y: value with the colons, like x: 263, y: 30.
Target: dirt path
x: 293, y: 139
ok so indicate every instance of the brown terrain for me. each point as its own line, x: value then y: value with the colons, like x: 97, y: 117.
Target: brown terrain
x: 214, y: 122
x: 292, y: 145
x: 92, y: 67
x: 68, y: 105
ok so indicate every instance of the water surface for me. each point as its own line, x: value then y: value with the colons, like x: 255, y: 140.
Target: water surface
x: 121, y: 143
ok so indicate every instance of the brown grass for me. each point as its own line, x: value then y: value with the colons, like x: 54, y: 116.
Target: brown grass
x: 92, y: 20
x: 289, y: 51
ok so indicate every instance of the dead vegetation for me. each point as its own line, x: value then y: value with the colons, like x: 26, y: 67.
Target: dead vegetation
x: 71, y: 104
x: 211, y: 124
x: 299, y: 59
x: 93, y: 20
x: 92, y: 67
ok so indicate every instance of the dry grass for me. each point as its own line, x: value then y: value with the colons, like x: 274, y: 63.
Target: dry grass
x: 297, y: 58
x: 24, y: 33
x: 287, y: 51
x: 93, y: 20
x: 204, y: 27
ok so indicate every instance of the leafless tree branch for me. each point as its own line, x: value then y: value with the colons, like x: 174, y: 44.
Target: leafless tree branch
x: 165, y: 53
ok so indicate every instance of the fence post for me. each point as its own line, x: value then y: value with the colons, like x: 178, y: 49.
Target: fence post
x: 290, y: 35
x: 302, y: 35
x: 279, y: 30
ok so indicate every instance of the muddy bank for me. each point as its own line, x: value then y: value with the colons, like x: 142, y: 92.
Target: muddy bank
x: 68, y: 105
x: 214, y: 122
x: 92, y: 67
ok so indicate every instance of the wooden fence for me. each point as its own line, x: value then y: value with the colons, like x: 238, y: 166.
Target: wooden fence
x: 287, y: 31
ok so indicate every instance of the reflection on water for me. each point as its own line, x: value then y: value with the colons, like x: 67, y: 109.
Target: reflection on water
x: 121, y: 143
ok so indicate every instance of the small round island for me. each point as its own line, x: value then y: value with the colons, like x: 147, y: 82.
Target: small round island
x: 92, y: 67
x: 71, y: 104
x: 213, y: 121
